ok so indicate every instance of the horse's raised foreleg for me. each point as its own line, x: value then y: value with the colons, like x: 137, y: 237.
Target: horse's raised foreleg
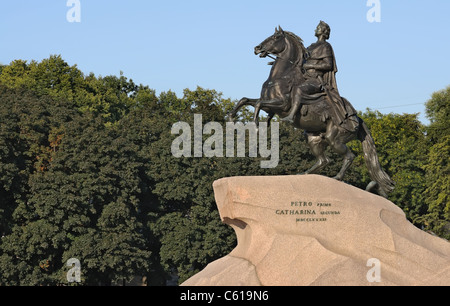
x: 269, y: 119
x: 273, y: 105
x: 243, y: 102
x: 268, y: 106
x: 256, y: 115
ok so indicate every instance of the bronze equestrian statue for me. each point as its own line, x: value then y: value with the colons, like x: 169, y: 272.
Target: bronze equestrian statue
x: 301, y: 89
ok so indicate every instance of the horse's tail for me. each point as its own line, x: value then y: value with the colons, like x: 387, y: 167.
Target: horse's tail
x: 380, y: 178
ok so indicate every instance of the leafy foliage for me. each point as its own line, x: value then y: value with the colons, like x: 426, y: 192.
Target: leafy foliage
x: 437, y: 193
x: 86, y: 172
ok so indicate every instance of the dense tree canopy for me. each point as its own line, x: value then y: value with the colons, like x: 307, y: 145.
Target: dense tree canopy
x: 86, y: 172
x: 437, y: 192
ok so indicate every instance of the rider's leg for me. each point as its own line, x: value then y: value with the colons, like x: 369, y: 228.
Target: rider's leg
x: 296, y: 102
x: 309, y: 87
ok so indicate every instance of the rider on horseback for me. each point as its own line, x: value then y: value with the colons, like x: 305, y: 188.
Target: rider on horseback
x: 328, y: 119
x: 319, y: 72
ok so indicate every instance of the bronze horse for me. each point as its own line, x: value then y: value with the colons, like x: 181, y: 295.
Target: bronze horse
x: 314, y: 117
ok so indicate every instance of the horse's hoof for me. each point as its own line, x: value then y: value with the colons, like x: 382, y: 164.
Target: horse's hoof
x: 372, y: 186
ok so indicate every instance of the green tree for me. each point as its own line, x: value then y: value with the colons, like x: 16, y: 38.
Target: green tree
x: 84, y: 190
x: 182, y: 188
x: 438, y: 112
x: 110, y: 96
x: 87, y: 172
x: 402, y: 150
x: 437, y: 193
x: 30, y: 131
x: 189, y: 229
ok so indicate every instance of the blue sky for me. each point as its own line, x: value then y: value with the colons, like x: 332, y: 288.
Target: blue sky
x: 393, y: 66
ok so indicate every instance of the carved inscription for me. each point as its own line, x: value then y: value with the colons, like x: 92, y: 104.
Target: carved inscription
x: 305, y: 211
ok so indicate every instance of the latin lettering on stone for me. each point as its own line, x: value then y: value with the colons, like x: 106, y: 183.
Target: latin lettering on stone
x: 309, y: 211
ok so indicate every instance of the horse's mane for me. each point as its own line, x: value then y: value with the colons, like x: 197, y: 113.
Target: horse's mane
x: 298, y: 42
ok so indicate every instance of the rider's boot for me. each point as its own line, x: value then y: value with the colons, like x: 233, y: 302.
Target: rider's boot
x: 296, y: 102
x: 294, y: 110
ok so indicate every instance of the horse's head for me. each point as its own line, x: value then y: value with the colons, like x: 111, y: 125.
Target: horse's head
x: 274, y: 44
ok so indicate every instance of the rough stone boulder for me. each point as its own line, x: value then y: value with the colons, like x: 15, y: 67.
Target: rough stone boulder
x: 313, y: 230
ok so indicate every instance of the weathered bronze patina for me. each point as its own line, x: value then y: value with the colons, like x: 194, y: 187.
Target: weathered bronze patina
x: 302, y: 89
